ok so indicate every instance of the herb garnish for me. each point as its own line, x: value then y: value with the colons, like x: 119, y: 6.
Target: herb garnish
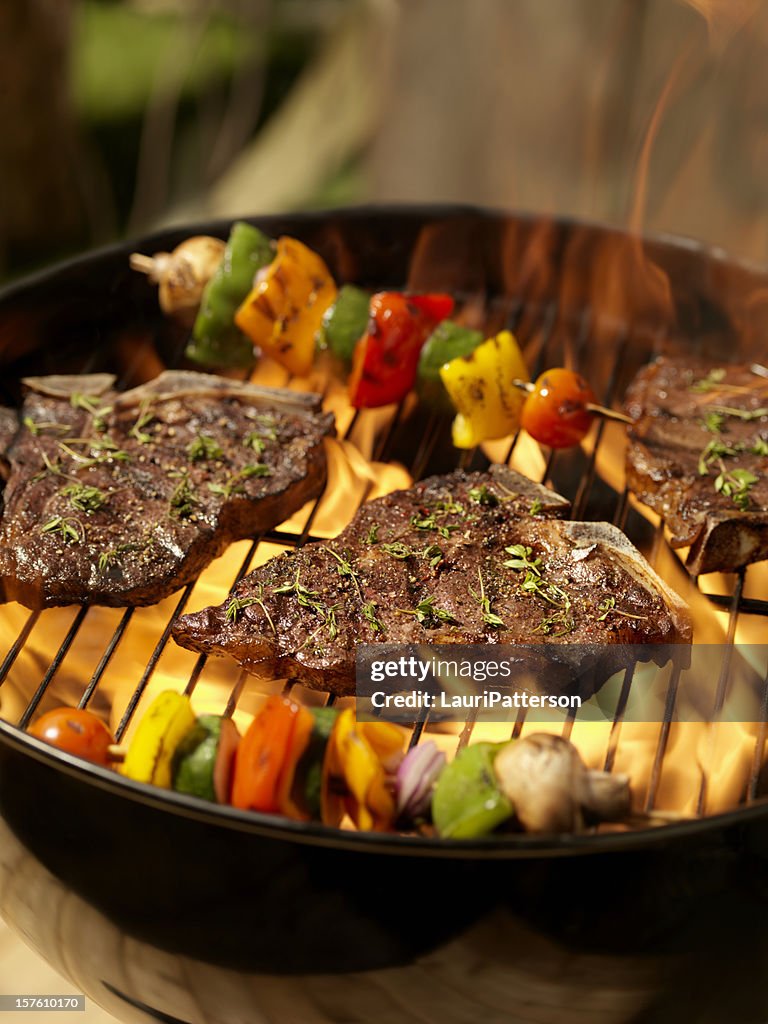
x: 310, y: 599
x: 204, y: 447
x: 742, y: 414
x: 235, y: 482
x: 522, y: 559
x: 344, y: 568
x: 736, y: 485
x: 760, y: 447
x: 426, y: 613
x: 434, y: 555
x: 608, y: 607
x: 398, y: 550
x: 715, y: 451
x: 533, y: 583
x: 84, y: 498
x: 71, y: 530
x: 429, y: 522
x: 266, y: 432
x: 36, y: 427
x: 713, y: 422
x: 183, y: 501
x: 535, y: 507
x: 143, y: 419
x: 713, y: 378
x: 372, y: 537
x: 369, y: 613
x: 483, y: 496
x: 489, y: 617
x: 89, y: 404
x: 106, y: 558
x: 237, y: 604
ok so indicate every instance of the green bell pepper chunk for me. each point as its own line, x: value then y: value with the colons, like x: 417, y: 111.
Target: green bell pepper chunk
x: 216, y: 341
x: 448, y: 341
x: 308, y: 779
x: 346, y: 321
x: 467, y: 802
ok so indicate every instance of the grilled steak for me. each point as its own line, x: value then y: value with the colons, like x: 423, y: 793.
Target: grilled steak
x: 9, y: 425
x: 463, y: 558
x: 698, y: 455
x: 119, y: 499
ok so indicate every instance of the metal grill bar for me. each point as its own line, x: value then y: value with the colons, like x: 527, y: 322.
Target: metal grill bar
x: 106, y: 657
x: 18, y: 645
x: 53, y: 668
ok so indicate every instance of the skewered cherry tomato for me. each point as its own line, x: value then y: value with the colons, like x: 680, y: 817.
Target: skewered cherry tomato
x: 555, y: 412
x: 77, y: 731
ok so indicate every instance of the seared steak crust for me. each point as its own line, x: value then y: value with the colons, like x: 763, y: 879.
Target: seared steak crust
x: 119, y: 499
x: 426, y: 565
x: 698, y: 455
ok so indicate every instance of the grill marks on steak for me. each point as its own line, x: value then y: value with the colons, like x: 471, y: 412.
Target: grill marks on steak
x: 426, y: 565
x: 120, y: 499
x: 700, y: 432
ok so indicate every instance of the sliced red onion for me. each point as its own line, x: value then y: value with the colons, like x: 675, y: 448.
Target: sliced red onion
x: 416, y: 778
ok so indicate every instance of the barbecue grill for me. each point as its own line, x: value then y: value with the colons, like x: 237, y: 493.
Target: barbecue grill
x: 158, y: 904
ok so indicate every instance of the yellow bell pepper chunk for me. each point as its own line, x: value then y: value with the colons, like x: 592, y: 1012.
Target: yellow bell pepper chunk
x: 480, y: 386
x: 165, y: 724
x: 355, y: 753
x: 284, y: 311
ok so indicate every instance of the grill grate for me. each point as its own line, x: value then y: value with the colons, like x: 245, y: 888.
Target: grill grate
x: 542, y: 337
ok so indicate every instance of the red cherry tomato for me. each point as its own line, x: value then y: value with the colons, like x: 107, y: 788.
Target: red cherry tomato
x: 555, y: 412
x: 76, y: 731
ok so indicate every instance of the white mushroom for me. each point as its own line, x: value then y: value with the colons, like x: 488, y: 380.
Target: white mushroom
x: 551, y: 788
x: 182, y: 275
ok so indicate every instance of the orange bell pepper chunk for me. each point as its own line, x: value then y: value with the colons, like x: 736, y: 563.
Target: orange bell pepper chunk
x: 261, y: 756
x: 284, y: 311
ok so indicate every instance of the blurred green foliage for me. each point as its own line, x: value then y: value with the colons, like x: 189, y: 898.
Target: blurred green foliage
x: 120, y: 52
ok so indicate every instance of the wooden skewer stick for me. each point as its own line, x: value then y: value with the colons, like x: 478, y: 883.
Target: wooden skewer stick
x: 608, y: 414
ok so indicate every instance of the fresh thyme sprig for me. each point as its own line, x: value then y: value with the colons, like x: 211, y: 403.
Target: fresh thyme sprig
x: 265, y: 432
x: 369, y: 614
x: 37, y: 427
x: 429, y: 522
x: 203, y: 448
x: 561, y: 621
x: 183, y: 501
x: 483, y: 496
x: 235, y: 482
x: 716, y: 451
x: 522, y: 559
x: 143, y: 419
x: 608, y: 607
x: 237, y: 604
x: 708, y: 383
x: 372, y: 537
x: 310, y: 599
x: 736, y: 485
x: 84, y: 498
x: 109, y: 557
x: 345, y: 568
x: 748, y: 415
x: 489, y: 617
x: 427, y: 614
x: 71, y: 530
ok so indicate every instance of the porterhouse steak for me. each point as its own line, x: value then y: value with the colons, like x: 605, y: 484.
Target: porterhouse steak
x: 121, y: 498
x: 698, y: 455
x: 462, y: 558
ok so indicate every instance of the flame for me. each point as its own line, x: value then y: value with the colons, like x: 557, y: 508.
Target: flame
x: 725, y: 18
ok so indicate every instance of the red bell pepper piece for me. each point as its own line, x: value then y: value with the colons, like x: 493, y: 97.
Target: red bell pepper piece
x: 386, y: 357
